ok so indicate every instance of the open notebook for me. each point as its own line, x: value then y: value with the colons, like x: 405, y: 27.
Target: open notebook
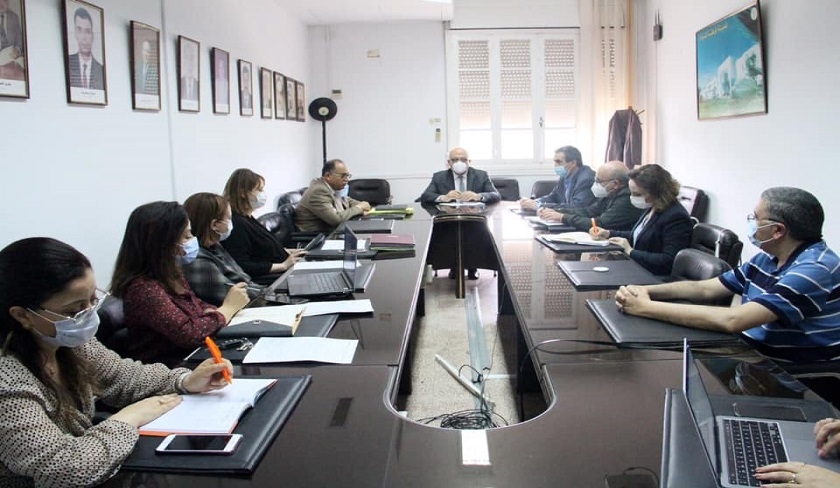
x: 576, y: 238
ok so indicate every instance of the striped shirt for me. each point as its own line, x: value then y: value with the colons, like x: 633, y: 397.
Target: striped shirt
x: 804, y: 294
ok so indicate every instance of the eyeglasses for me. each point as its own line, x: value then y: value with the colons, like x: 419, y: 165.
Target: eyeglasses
x: 752, y: 217
x: 558, y: 161
x: 603, y: 182
x: 95, y: 302
x: 455, y: 160
x: 344, y: 176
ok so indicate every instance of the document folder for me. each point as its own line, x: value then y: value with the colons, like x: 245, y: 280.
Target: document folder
x: 605, y: 275
x: 564, y: 247
x: 311, y: 326
x: 259, y: 426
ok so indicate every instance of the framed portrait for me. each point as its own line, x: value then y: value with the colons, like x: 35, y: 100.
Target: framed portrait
x: 300, y: 101
x: 84, y: 53
x: 279, y: 96
x: 14, y: 68
x: 189, y: 99
x: 145, y: 67
x: 730, y: 66
x: 291, y: 111
x: 266, y: 93
x: 246, y: 88
x: 220, y: 66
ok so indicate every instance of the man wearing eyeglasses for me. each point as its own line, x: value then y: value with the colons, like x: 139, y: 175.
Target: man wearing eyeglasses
x: 574, y: 187
x: 612, y: 208
x: 790, y: 292
x: 460, y: 182
x: 325, y: 203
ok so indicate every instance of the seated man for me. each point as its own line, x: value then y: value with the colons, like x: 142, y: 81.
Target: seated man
x: 789, y: 308
x: 612, y: 208
x: 322, y: 207
x: 574, y: 188
x: 460, y: 182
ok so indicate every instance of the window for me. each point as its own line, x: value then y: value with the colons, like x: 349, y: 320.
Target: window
x: 513, y: 94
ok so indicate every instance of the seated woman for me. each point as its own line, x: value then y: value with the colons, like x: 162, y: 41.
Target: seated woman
x: 663, y: 230
x: 214, y: 271
x: 258, y: 251
x: 53, y: 368
x: 164, y: 318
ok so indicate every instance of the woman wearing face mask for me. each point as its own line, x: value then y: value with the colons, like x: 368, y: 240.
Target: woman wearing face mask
x: 54, y: 368
x: 214, y: 271
x: 664, y: 227
x: 259, y: 252
x: 165, y: 319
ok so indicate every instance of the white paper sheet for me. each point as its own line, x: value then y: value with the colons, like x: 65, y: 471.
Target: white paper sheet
x: 334, y: 264
x: 338, y: 245
x: 461, y: 204
x: 291, y: 349
x: 285, y: 314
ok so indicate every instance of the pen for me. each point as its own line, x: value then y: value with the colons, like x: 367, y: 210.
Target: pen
x: 594, y: 226
x: 217, y: 355
x: 298, y: 318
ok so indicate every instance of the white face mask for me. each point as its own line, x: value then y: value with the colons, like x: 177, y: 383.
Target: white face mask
x: 72, y: 332
x: 638, y: 201
x: 257, y: 201
x: 226, y: 234
x: 459, y: 167
x: 599, y: 190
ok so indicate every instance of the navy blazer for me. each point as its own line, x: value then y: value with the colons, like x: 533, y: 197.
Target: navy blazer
x: 667, y: 233
x: 580, y: 195
x: 478, y: 181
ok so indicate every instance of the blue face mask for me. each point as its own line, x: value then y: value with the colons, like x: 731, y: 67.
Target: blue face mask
x: 190, y: 251
x: 72, y: 331
x: 752, y: 228
x: 561, y: 171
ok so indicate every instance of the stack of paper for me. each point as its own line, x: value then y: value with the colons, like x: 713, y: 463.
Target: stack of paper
x: 575, y: 238
x: 293, y: 349
x: 388, y: 242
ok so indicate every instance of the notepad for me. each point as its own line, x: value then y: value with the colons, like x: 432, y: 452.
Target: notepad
x: 293, y: 349
x: 215, y: 412
x: 576, y: 238
x: 338, y: 245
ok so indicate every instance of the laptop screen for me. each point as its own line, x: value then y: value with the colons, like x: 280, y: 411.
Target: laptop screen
x: 350, y: 256
x: 699, y: 403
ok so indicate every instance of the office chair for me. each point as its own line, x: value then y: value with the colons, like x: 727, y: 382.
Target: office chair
x: 292, y: 197
x: 695, y: 201
x: 112, y: 331
x: 372, y: 190
x: 542, y: 188
x: 282, y: 224
x: 696, y: 265
x: 717, y: 241
x: 508, y: 188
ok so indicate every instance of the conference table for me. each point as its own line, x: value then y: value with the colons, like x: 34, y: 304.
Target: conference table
x: 604, y: 405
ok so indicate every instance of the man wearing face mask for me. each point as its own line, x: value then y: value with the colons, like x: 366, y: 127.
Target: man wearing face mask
x: 612, y: 208
x: 789, y: 308
x: 460, y: 182
x: 574, y: 188
x: 325, y: 203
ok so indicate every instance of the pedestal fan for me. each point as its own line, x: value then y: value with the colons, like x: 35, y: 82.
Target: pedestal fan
x: 323, y: 109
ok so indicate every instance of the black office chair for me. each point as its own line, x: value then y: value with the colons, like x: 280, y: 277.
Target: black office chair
x: 292, y: 197
x: 372, y: 190
x: 542, y: 188
x: 717, y: 241
x: 282, y: 224
x: 821, y: 377
x: 696, y: 265
x: 508, y: 188
x: 695, y: 201
x: 112, y: 331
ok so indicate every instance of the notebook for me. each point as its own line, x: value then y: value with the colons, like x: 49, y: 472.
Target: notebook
x: 568, y: 247
x: 391, y: 241
x: 333, y: 283
x: 313, y: 326
x: 633, y: 331
x: 734, y: 458
x: 548, y: 225
x: 372, y: 226
x: 606, y: 275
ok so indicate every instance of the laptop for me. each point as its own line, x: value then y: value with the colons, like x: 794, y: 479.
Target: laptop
x: 736, y: 445
x: 333, y: 282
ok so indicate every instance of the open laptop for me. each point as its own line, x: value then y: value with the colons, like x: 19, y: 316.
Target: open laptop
x: 733, y: 456
x: 333, y: 282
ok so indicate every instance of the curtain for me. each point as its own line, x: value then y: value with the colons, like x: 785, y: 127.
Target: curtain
x: 606, y: 71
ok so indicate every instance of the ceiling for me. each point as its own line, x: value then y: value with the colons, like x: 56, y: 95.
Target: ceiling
x: 325, y: 12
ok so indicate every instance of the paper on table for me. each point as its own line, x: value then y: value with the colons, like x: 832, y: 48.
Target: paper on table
x: 576, y: 238
x: 548, y: 223
x: 290, y: 349
x: 285, y: 314
x: 307, y: 265
x: 461, y: 204
x: 338, y: 245
x: 338, y: 306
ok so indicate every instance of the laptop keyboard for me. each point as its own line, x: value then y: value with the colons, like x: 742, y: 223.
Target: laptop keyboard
x: 326, y: 282
x: 751, y: 444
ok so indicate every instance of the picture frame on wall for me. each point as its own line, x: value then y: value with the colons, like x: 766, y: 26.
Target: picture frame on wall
x: 266, y: 93
x: 84, y: 48
x: 731, y: 78
x: 145, y: 67
x: 279, y: 96
x: 300, y: 96
x: 246, y: 88
x: 220, y: 66
x: 14, y: 66
x: 189, y: 86
x: 291, y: 109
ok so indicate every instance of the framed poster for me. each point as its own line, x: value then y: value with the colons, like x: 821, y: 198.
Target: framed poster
x: 14, y: 68
x: 220, y: 66
x: 300, y: 95
x: 188, y: 82
x: 145, y: 67
x: 291, y: 110
x: 266, y: 92
x: 730, y: 66
x: 279, y: 96
x: 84, y: 49
x: 246, y: 88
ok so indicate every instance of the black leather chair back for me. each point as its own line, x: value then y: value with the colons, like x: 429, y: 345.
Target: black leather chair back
x: 281, y: 223
x: 717, y: 241
x: 508, y: 188
x: 695, y: 201
x: 696, y: 265
x: 112, y: 331
x: 292, y: 197
x: 542, y: 188
x: 372, y: 190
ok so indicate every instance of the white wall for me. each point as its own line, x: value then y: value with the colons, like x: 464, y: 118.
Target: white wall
x: 76, y: 172
x: 735, y: 159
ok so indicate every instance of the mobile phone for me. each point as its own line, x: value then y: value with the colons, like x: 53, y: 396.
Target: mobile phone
x: 315, y: 242
x: 199, y: 444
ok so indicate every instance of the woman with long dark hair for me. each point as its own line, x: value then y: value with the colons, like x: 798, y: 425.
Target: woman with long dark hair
x: 165, y: 319
x: 53, y: 369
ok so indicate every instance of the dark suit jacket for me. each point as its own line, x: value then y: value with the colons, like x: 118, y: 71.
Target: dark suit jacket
x: 443, y: 182
x: 667, y: 233
x: 14, y: 36
x: 580, y: 195
x: 97, y: 73
x: 611, y: 212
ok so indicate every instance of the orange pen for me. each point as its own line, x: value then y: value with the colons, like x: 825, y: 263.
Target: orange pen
x: 594, y: 227
x: 217, y: 355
